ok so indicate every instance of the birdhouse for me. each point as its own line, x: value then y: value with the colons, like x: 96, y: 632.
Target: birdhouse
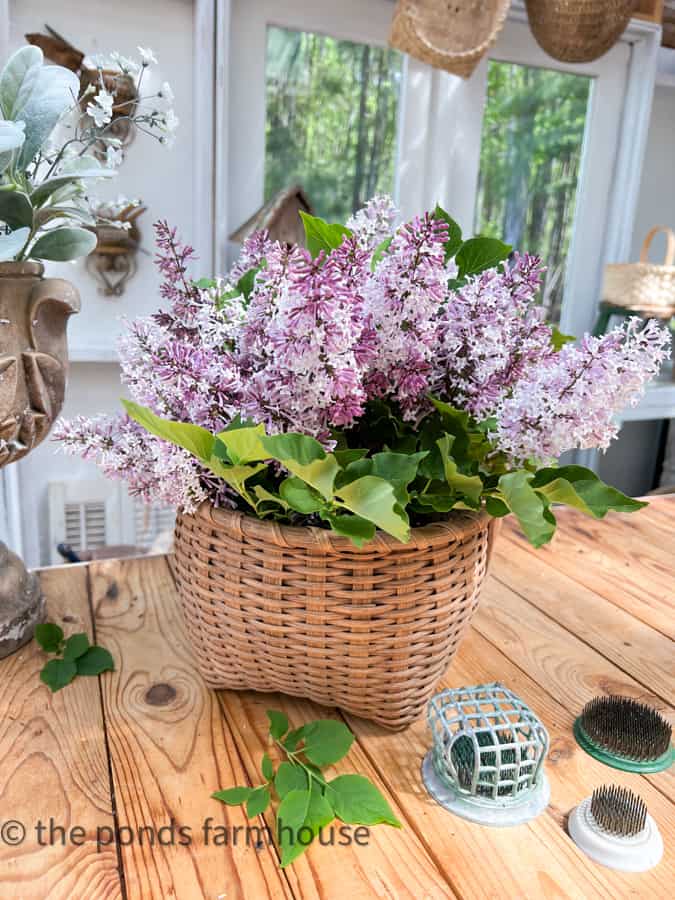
x: 280, y: 216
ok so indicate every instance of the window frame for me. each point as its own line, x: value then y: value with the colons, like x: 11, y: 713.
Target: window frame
x: 436, y: 159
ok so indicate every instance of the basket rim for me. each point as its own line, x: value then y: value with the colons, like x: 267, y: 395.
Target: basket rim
x: 460, y: 525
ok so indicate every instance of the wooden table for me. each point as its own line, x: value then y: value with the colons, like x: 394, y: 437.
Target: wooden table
x: 148, y: 744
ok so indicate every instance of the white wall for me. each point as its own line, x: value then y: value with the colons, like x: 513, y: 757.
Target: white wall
x: 161, y: 177
x: 656, y: 205
x: 630, y: 462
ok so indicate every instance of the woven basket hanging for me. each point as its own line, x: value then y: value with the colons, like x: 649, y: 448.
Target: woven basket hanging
x: 303, y: 611
x: 578, y: 31
x: 453, y: 36
x: 645, y: 287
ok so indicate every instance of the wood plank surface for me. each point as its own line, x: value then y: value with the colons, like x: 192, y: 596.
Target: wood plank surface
x: 639, y: 580
x: 557, y: 660
x: 528, y: 861
x: 170, y: 747
x: 53, y: 765
x: 638, y: 649
x: 591, y: 614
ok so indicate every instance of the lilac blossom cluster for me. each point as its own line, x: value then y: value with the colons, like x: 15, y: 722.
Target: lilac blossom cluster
x: 311, y: 341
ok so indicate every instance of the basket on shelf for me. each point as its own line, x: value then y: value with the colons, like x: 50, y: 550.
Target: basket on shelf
x: 449, y: 36
x: 647, y: 288
x: 578, y: 30
x: 301, y: 610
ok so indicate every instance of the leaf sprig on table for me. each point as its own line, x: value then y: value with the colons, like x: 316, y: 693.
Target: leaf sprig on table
x: 73, y: 656
x: 308, y: 802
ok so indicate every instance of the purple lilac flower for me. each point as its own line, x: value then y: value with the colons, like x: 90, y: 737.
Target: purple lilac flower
x: 374, y: 223
x: 569, y: 399
x: 489, y: 335
x: 403, y: 299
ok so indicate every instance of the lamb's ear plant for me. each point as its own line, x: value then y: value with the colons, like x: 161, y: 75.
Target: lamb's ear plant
x: 50, y: 135
x: 307, y: 801
x: 72, y: 656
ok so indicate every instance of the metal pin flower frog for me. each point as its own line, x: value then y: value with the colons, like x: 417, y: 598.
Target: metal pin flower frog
x: 487, y: 760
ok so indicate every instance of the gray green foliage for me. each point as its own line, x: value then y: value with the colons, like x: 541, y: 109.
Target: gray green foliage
x: 307, y: 802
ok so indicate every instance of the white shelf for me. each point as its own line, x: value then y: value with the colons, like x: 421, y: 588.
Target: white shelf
x: 657, y: 403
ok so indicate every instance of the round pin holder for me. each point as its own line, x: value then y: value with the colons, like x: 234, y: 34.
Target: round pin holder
x: 486, y: 762
x: 636, y: 853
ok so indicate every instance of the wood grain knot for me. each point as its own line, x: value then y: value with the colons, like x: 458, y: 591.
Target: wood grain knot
x: 113, y: 591
x: 160, y: 694
x: 561, y: 749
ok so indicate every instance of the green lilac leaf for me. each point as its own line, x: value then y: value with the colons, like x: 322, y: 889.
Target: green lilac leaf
x: 49, y: 636
x: 496, y: 507
x: 298, y: 448
x: 319, y: 814
x: 193, y: 438
x: 528, y: 507
x: 558, y: 339
x: 244, y: 444
x: 379, y: 252
x: 233, y: 796
x: 470, y: 486
x: 300, y: 496
x: 95, y: 661
x: 480, y: 253
x: 347, y: 456
x: 246, y: 283
x: 375, y: 499
x: 290, y: 818
x: 581, y: 488
x: 205, y: 284
x: 58, y: 673
x: 357, y: 801
x: 321, y: 235
x: 278, y: 723
x: 454, y: 241
x: 267, y: 768
x: 289, y: 777
x: 294, y: 737
x: 326, y: 741
x: 357, y: 529
x: 76, y: 646
x: 258, y: 801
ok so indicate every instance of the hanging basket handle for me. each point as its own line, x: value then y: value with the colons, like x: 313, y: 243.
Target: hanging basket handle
x: 670, y: 248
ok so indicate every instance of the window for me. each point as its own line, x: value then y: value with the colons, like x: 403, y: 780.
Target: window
x: 530, y: 160
x: 331, y: 119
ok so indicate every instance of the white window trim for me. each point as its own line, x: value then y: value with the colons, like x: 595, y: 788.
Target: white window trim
x: 431, y: 98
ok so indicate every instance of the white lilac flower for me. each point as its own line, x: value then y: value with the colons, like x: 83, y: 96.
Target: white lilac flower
x: 170, y: 121
x: 113, y: 157
x: 101, y: 108
x: 166, y: 93
x: 148, y: 58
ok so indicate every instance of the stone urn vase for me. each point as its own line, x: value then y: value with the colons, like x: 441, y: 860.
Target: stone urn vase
x: 34, y: 313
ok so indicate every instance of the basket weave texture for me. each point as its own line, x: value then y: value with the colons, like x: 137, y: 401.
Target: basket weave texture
x: 645, y: 287
x: 449, y: 36
x: 578, y: 30
x: 303, y: 611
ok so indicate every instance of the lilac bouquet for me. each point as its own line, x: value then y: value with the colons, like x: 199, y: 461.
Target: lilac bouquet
x: 380, y: 378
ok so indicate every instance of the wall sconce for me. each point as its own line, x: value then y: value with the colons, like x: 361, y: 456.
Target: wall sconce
x: 113, y: 261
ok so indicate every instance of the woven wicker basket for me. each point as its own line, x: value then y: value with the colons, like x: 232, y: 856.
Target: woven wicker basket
x: 645, y: 287
x: 450, y: 36
x: 578, y: 30
x: 272, y: 607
